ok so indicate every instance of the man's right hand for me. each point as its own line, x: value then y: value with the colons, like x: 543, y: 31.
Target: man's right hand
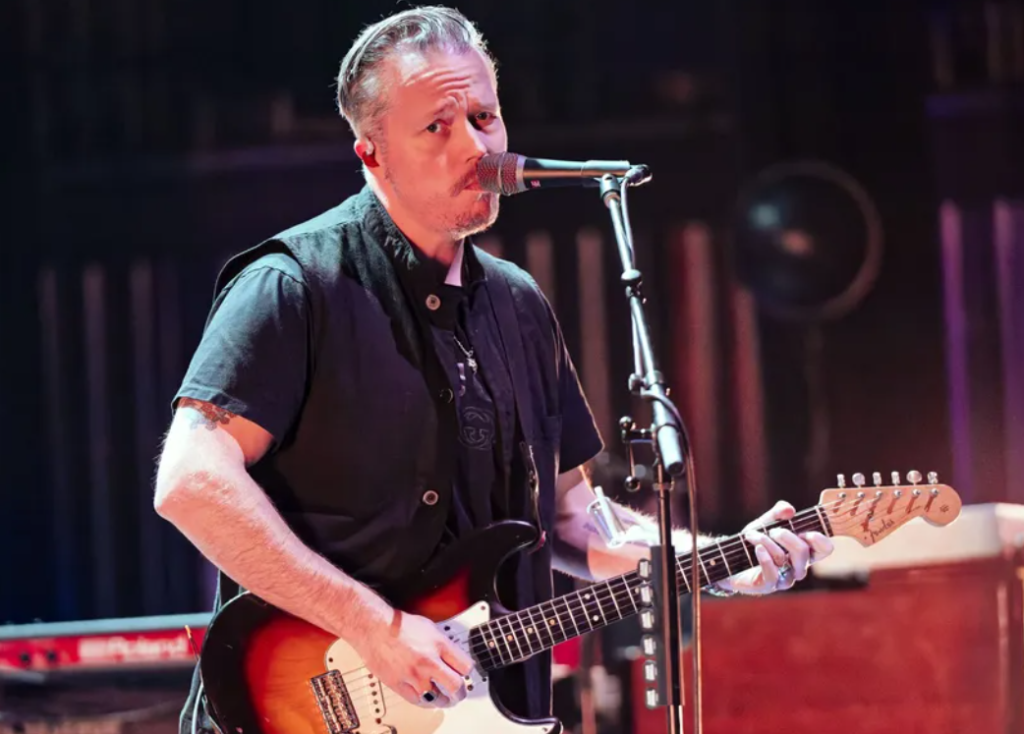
x: 204, y: 489
x: 412, y: 657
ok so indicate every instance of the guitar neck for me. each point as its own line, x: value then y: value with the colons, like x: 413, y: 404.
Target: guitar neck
x: 517, y: 636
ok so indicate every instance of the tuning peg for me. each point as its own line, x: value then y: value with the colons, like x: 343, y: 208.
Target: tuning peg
x: 876, y: 477
x: 933, y: 478
x: 841, y: 481
x: 895, y: 478
x: 914, y: 476
x: 858, y: 479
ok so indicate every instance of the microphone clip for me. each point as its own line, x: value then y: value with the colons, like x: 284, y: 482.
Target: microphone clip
x: 637, y: 175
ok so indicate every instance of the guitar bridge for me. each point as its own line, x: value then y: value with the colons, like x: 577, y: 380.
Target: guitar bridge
x: 335, y: 703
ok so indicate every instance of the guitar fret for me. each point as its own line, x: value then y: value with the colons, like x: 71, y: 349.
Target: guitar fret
x: 700, y: 562
x: 591, y: 619
x: 561, y: 623
x: 632, y: 601
x: 823, y: 521
x: 724, y: 559
x: 583, y: 609
x: 571, y: 617
x: 526, y: 637
x: 494, y: 642
x: 515, y: 635
x: 743, y: 544
x: 550, y: 616
x: 600, y: 606
x: 542, y: 627
x: 618, y: 611
x: 682, y: 565
x: 558, y: 618
x: 585, y: 612
x: 504, y: 638
x: 527, y: 626
x: 489, y: 627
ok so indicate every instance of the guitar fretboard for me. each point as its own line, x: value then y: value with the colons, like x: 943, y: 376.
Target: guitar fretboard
x: 519, y: 635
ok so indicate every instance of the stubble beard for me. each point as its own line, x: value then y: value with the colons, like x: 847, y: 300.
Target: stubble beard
x: 440, y: 216
x: 476, y: 221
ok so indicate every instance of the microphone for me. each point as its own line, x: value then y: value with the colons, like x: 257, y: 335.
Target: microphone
x: 509, y: 173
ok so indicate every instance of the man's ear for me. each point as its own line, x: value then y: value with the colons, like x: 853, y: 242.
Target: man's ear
x: 367, y: 152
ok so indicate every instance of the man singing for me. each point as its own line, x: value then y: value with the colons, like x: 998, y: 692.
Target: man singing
x: 370, y: 387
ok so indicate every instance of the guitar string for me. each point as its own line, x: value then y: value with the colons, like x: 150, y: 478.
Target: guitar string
x: 360, y: 696
x: 481, y: 649
x: 601, y: 592
x: 606, y: 588
x: 575, y: 608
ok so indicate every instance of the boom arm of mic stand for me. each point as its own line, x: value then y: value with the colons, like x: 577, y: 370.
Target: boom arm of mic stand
x: 674, y: 459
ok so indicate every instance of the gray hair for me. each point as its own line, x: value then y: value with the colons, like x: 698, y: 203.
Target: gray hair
x: 360, y: 94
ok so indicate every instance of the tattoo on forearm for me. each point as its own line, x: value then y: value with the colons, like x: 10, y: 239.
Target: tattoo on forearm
x: 206, y: 415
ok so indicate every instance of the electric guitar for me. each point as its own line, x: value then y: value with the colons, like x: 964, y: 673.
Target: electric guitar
x: 267, y: 672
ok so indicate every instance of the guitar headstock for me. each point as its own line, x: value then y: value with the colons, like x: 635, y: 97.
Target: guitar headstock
x: 869, y: 513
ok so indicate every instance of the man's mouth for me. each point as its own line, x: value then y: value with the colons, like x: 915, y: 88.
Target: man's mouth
x: 470, y: 183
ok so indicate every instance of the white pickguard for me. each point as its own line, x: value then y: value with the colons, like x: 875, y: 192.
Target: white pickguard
x: 382, y: 711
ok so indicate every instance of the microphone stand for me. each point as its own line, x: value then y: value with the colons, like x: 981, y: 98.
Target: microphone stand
x: 673, y: 461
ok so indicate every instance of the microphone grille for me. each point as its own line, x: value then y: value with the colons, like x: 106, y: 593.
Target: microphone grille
x: 499, y: 173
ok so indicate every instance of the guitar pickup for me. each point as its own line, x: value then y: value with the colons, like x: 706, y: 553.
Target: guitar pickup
x: 335, y: 703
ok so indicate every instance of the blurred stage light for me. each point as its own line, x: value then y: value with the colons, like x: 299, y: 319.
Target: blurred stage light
x: 807, y: 240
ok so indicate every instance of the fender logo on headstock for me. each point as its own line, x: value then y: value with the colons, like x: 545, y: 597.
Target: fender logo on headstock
x: 886, y: 523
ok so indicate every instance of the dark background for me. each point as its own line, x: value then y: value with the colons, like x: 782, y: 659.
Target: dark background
x: 146, y: 141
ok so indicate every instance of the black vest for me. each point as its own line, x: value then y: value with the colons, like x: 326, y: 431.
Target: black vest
x: 361, y: 492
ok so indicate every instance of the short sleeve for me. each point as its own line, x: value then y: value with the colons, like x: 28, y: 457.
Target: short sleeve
x: 254, y: 354
x: 581, y: 441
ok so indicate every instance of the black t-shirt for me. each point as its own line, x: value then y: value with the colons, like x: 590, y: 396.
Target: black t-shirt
x: 464, y: 335
x: 480, y: 473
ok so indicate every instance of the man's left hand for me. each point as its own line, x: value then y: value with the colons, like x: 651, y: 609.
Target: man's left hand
x: 783, y: 556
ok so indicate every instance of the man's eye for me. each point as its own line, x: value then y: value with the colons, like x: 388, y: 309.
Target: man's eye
x: 483, y: 116
x: 434, y: 127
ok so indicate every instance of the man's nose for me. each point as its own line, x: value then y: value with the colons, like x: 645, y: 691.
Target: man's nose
x: 473, y: 140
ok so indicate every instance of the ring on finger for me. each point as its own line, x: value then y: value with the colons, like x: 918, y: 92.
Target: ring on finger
x: 785, y: 575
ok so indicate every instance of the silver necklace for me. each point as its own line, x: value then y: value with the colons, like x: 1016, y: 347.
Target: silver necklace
x: 470, y: 359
